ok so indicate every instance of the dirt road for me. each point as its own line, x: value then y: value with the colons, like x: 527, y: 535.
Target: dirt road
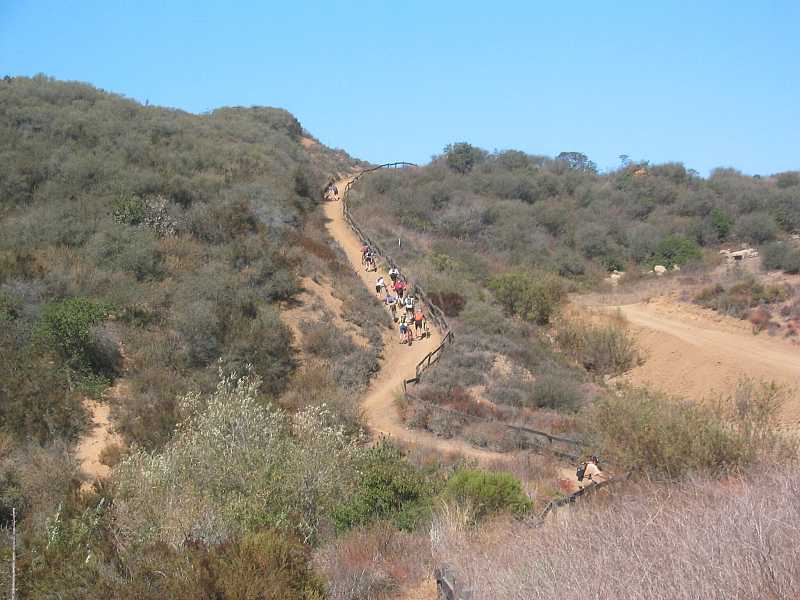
x: 398, y: 363
x: 697, y: 353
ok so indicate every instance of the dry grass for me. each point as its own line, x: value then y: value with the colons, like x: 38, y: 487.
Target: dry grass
x: 710, y: 540
x: 374, y: 563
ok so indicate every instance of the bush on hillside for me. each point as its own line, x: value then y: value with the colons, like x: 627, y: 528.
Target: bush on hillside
x: 558, y: 390
x: 488, y: 493
x: 757, y: 227
x: 388, y: 488
x: 780, y: 256
x: 604, y: 349
x: 670, y: 437
x: 533, y: 297
x: 739, y: 298
x: 676, y: 250
x: 67, y: 326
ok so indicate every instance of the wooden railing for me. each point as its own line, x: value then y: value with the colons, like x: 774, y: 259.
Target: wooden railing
x: 435, y: 314
x: 448, y: 586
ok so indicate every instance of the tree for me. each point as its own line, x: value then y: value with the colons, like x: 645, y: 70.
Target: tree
x: 462, y: 157
x: 721, y: 223
x: 676, y: 250
x: 577, y: 161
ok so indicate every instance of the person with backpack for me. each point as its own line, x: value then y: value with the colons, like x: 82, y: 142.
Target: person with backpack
x: 409, y: 304
x: 399, y: 288
x: 419, y: 324
x: 590, y: 471
x: 369, y: 262
x: 380, y: 285
x: 364, y: 253
x: 394, y: 274
x: 404, y: 329
x: 391, y: 304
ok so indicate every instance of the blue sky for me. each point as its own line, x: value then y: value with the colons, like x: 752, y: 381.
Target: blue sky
x: 705, y: 83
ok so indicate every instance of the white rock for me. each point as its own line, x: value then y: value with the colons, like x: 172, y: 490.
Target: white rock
x: 660, y: 269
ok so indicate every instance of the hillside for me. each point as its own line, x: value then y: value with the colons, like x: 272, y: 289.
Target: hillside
x: 502, y: 238
x: 177, y: 278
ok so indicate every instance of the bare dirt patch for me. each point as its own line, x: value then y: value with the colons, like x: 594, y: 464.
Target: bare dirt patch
x: 697, y: 353
x: 101, y: 435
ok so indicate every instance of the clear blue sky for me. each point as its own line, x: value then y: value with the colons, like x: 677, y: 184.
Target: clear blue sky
x: 706, y: 83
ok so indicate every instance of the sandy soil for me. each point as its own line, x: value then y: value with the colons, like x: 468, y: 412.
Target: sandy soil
x: 697, y: 353
x: 101, y: 435
x: 398, y: 362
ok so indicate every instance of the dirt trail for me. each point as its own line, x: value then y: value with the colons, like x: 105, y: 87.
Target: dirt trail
x: 698, y: 354
x: 398, y: 362
x: 100, y: 435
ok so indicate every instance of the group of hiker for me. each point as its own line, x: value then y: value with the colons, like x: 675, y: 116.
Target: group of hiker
x: 331, y: 192
x: 395, y: 294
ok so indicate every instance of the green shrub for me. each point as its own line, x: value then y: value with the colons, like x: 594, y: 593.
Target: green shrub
x: 67, y: 327
x: 531, y: 296
x: 780, y: 256
x: 676, y: 250
x: 388, y: 488
x: 488, y: 492
x: 721, y: 222
x: 128, y: 210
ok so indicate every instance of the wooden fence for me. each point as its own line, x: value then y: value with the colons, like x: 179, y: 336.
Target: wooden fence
x: 448, y: 586
x: 435, y: 314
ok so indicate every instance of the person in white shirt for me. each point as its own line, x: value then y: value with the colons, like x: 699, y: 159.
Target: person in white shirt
x: 391, y: 302
x: 380, y: 285
x: 394, y: 273
x: 409, y: 304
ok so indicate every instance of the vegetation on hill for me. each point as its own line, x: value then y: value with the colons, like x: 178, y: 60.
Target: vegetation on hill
x: 500, y: 239
x: 161, y: 246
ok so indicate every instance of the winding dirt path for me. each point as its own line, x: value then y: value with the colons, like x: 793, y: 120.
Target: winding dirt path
x: 398, y: 361
x: 697, y: 354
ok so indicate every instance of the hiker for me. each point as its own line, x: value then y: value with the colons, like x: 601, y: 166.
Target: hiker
x: 409, y: 304
x: 391, y: 303
x: 404, y: 329
x: 399, y: 288
x: 380, y: 285
x: 394, y: 273
x: 420, y: 324
x: 369, y: 262
x: 364, y: 252
x: 590, y: 470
